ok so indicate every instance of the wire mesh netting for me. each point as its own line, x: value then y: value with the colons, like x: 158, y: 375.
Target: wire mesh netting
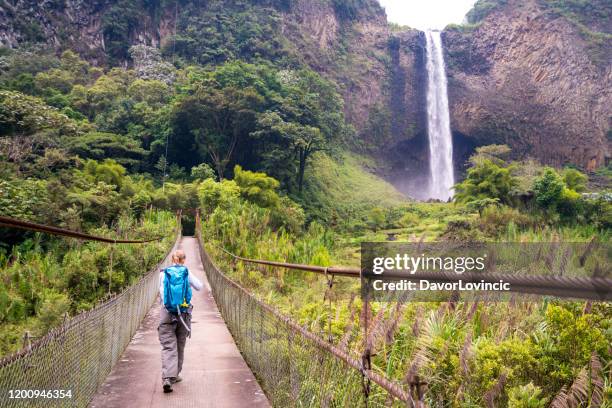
x: 294, y: 366
x: 65, y: 367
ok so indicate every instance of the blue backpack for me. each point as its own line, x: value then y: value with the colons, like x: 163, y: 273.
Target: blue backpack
x: 177, y: 292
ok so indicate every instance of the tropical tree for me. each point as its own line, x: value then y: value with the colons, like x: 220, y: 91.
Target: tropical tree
x: 486, y: 180
x: 256, y: 187
x: 28, y: 126
x: 218, y: 120
x: 548, y: 189
x: 100, y: 145
x: 301, y: 141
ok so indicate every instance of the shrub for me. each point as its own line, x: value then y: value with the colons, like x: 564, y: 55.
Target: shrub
x: 377, y: 218
x: 553, y: 196
x: 495, y: 220
x: 548, y: 189
x: 409, y: 220
x: 526, y: 396
x: 574, y: 179
x: 52, y: 310
x: 203, y: 171
x: 486, y: 180
x: 213, y: 194
x: 257, y: 188
x: 289, y: 215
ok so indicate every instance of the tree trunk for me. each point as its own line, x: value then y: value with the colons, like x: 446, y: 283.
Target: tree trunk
x: 219, y: 166
x: 300, y: 180
x: 218, y: 162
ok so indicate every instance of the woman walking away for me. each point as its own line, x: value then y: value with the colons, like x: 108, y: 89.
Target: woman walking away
x: 175, y: 283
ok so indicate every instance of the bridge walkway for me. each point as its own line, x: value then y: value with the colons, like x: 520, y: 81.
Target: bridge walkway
x: 214, y: 372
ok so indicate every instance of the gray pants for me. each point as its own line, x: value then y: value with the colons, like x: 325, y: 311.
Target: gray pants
x: 172, y: 336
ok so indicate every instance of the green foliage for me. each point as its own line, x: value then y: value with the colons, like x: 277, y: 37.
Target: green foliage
x: 495, y: 153
x: 353, y: 9
x: 25, y: 115
x: 213, y: 33
x: 108, y: 171
x: 99, y: 145
x: 526, y: 396
x: 341, y: 192
x: 574, y: 179
x: 118, y: 23
x: 378, y: 127
x: 482, y: 204
x: 486, y: 180
x: 152, y: 92
x: 482, y: 8
x: 39, y: 284
x: 587, y: 13
x: 214, y: 195
x: 553, y: 195
x: 567, y: 342
x: 203, y: 171
x: 18, y: 66
x: 53, y: 307
x: 218, y: 119
x: 22, y: 199
x: 257, y: 188
x: 290, y: 216
x: 257, y: 106
x: 376, y: 218
x: 309, y: 119
x: 496, y: 220
x: 179, y: 196
x: 408, y: 220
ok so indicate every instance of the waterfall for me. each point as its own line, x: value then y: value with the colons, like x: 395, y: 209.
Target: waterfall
x: 441, y: 177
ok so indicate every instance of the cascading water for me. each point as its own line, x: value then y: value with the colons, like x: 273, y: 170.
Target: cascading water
x: 441, y: 178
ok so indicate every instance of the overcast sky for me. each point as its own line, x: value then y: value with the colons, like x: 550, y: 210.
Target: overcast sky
x: 423, y: 14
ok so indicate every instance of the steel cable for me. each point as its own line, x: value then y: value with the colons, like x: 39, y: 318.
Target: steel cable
x: 589, y: 288
x: 31, y: 226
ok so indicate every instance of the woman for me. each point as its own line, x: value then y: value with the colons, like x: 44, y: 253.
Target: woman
x: 175, y: 317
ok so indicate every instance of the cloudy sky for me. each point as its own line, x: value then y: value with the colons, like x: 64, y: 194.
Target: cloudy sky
x: 424, y: 14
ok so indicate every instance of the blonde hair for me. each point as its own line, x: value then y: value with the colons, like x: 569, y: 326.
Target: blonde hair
x: 178, y: 256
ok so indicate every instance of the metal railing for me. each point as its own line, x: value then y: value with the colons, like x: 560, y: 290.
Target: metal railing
x: 294, y: 366
x: 586, y: 288
x: 76, y: 357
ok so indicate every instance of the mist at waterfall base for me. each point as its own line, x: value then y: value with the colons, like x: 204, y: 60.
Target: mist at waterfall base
x: 441, y: 172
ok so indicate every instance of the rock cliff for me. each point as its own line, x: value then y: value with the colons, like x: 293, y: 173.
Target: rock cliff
x: 523, y: 74
x: 529, y: 77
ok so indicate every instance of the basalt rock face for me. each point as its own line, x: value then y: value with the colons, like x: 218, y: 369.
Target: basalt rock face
x: 53, y: 23
x: 524, y: 75
x: 76, y: 25
x: 527, y: 77
x: 381, y: 75
x: 376, y: 69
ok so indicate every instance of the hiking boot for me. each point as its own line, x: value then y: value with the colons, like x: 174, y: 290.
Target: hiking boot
x: 176, y: 379
x: 167, y: 385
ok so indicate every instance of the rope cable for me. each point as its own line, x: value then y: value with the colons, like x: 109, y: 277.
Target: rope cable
x: 31, y: 226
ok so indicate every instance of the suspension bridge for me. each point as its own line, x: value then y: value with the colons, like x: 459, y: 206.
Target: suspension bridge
x: 243, y: 352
